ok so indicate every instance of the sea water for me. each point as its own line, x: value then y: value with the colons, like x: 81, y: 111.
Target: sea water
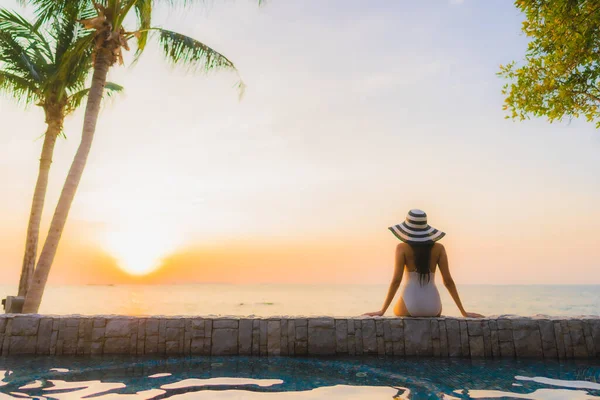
x: 305, y: 300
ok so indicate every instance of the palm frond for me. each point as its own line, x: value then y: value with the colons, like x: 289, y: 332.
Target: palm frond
x: 46, y: 10
x: 18, y: 87
x: 75, y: 100
x: 16, y: 57
x: 143, y: 11
x: 76, y: 61
x: 181, y: 49
x: 18, y: 27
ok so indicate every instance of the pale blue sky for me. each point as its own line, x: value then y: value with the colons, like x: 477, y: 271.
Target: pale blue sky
x: 355, y: 112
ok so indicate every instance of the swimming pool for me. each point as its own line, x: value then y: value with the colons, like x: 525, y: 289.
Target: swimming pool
x: 295, y: 378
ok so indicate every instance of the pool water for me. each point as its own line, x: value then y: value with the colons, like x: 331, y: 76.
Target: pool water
x: 295, y: 378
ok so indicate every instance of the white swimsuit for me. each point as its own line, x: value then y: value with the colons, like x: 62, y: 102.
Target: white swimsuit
x: 421, y: 301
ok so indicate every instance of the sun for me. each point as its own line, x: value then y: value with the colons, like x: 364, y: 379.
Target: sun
x: 140, y: 250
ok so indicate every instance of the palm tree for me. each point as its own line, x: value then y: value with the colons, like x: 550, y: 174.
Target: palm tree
x: 107, y: 37
x: 36, y: 67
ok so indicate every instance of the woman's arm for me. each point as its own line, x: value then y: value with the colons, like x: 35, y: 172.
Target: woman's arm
x: 451, y: 286
x: 394, y: 285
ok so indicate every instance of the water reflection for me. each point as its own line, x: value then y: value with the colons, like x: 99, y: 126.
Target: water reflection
x: 294, y: 378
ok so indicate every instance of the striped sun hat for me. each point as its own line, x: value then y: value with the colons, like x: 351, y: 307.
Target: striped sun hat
x: 415, y: 229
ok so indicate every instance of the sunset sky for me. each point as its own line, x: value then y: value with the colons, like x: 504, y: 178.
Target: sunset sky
x: 354, y: 113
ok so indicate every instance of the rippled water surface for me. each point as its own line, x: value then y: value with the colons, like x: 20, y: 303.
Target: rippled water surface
x: 286, y: 299
x: 295, y: 378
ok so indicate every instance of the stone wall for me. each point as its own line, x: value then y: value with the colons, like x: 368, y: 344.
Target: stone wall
x: 505, y: 336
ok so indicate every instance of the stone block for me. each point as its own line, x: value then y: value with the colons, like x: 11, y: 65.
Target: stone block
x: 44, y: 336
x: 162, y: 331
x: 505, y: 335
x: 507, y: 349
x: 476, y: 346
x: 325, y: 323
x: 176, y: 323
x: 151, y: 344
x: 22, y: 345
x: 72, y: 322
x: 141, y: 331
x: 548, y: 339
x: 387, y: 330
x: 341, y: 336
x: 358, y: 337
x: 273, y: 338
x: 475, y: 328
x: 197, y: 346
x: 85, y: 329
x: 120, y: 327
x: 116, y: 345
x: 152, y: 326
x: 560, y: 343
x: 301, y: 333
x: 567, y: 339
x: 98, y: 334
x: 351, y: 345
x: 435, y: 345
x: 380, y: 345
x: 133, y: 344
x: 97, y: 348
x: 321, y: 337
x: 379, y: 327
x: 301, y: 348
x: 435, y: 329
x: 291, y: 338
x: 25, y: 326
x: 464, y: 339
x: 53, y: 341
x: 443, y: 339
x: 487, y: 340
x: 589, y: 340
x: 397, y: 330
x: 495, y: 344
x: 99, y: 322
x: 504, y: 324
x: 369, y: 335
x: 208, y: 328
x: 417, y: 337
x: 224, y: 342
x: 172, y: 347
x: 256, y: 337
x: 595, y: 331
x: 527, y: 342
x: 245, y: 337
x: 172, y: 334
x: 284, y: 337
x: 225, y: 323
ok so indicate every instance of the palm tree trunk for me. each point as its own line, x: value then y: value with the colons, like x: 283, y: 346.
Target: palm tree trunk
x: 37, y: 206
x: 42, y: 270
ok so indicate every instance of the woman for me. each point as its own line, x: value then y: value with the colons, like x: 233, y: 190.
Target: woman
x: 419, y: 254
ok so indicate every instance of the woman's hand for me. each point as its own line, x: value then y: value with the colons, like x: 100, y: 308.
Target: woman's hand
x: 373, y: 314
x: 472, y: 315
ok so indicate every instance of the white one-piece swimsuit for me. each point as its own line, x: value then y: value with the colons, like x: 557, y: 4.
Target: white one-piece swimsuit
x: 421, y: 300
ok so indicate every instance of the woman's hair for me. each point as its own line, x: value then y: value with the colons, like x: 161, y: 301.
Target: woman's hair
x: 422, y: 257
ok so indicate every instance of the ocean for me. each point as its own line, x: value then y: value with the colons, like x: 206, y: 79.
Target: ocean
x: 305, y: 300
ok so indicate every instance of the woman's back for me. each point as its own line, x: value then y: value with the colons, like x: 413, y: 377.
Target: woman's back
x: 410, y: 256
x: 420, y: 295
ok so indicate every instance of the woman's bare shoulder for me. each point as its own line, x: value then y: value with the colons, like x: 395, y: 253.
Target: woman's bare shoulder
x: 438, y: 246
x: 401, y: 247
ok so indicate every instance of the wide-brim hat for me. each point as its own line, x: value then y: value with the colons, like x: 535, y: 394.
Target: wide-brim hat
x: 416, y: 230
